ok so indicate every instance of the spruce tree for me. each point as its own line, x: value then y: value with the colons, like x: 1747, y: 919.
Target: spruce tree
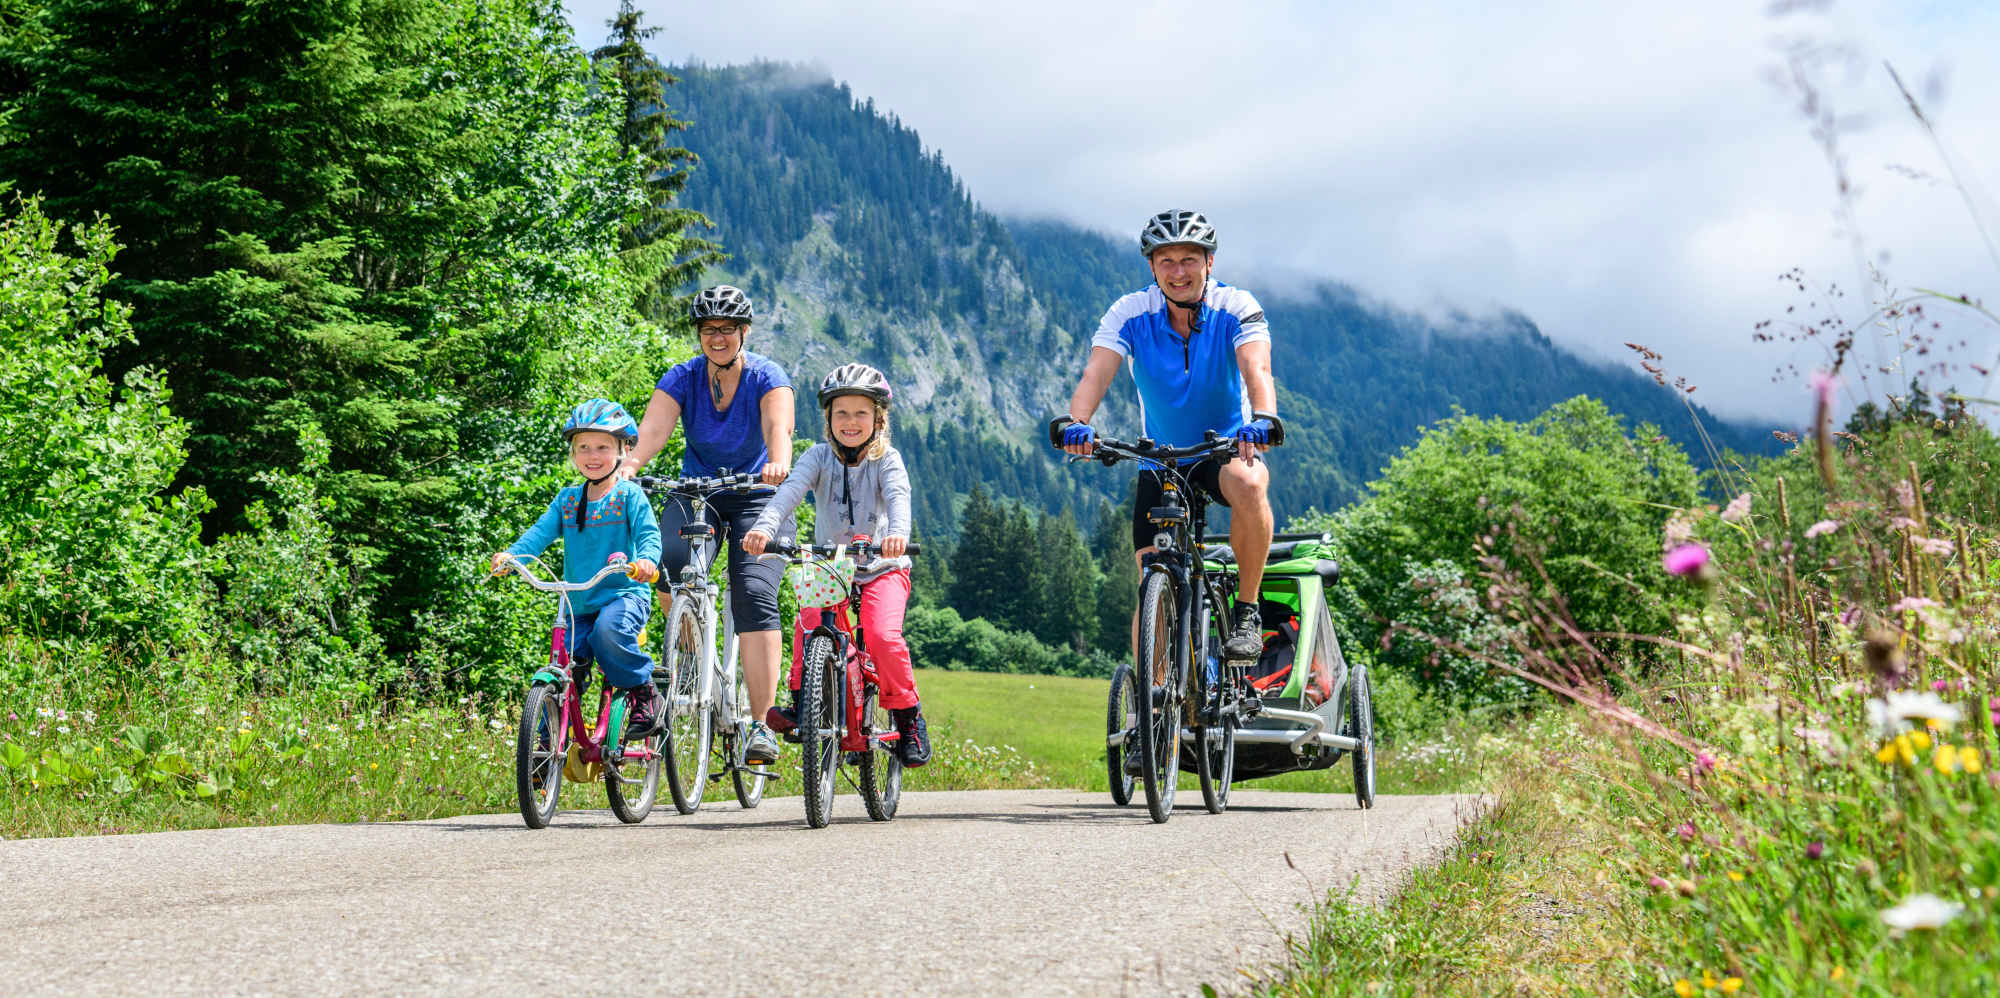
x: 1065, y: 604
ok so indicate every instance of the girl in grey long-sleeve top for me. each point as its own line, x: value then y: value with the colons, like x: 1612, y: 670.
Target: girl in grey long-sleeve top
x: 859, y: 488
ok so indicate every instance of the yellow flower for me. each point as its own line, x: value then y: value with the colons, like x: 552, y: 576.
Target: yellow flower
x: 371, y: 765
x: 1887, y: 753
x: 1731, y: 985
x: 1921, y: 739
x: 1683, y: 988
x: 1736, y: 875
x: 1968, y: 758
x: 1906, y: 749
x: 1708, y: 981
x: 1836, y: 973
x: 1945, y: 760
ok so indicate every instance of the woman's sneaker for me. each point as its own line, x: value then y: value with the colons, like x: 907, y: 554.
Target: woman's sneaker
x: 913, y: 740
x: 762, y: 749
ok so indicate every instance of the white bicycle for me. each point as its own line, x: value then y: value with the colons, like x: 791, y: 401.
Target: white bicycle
x: 703, y: 686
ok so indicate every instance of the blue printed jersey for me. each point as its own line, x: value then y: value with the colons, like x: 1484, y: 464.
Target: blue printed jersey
x: 1186, y: 385
x: 621, y: 522
x: 732, y: 438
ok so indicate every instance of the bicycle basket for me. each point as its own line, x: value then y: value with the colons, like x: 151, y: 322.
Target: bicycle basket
x: 822, y: 583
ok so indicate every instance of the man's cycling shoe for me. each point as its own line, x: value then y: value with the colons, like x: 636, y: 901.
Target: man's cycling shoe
x: 1246, y: 640
x: 914, y: 743
x: 763, y: 749
x: 648, y: 711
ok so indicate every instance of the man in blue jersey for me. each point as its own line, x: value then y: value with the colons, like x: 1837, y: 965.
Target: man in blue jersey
x: 1200, y: 353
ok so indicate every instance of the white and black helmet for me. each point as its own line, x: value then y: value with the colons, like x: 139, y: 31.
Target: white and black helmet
x: 854, y: 379
x: 722, y: 302
x: 1174, y: 227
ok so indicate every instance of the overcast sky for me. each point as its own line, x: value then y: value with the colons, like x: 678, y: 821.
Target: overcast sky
x: 1613, y: 171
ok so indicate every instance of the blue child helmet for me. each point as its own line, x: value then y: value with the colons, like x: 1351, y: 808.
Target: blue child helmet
x: 603, y: 416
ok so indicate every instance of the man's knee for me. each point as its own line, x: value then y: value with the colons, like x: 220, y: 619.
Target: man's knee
x: 1245, y: 484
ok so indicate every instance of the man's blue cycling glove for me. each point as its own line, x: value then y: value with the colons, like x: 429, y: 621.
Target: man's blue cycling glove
x: 1078, y: 435
x: 1256, y: 431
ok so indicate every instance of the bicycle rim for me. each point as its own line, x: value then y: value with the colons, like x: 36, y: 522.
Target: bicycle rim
x: 537, y: 757
x: 688, y: 731
x: 1158, y: 697
x: 881, y: 765
x: 819, y: 732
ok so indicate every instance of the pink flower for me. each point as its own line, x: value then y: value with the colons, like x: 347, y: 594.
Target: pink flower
x: 1933, y: 545
x: 1685, y: 560
x: 1705, y: 760
x: 1657, y: 882
x: 1850, y: 616
x: 1686, y: 831
x: 1737, y: 509
x: 1822, y: 527
x: 1912, y: 603
x: 1815, y: 849
x: 1823, y: 383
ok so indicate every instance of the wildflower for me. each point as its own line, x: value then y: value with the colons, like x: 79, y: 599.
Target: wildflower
x: 1684, y: 988
x: 44, y: 712
x: 1736, y: 876
x: 1685, y: 560
x: 1850, y: 616
x: 1815, y: 849
x: 1921, y: 911
x: 1836, y: 973
x: 1892, y: 713
x: 1822, y: 527
x: 1933, y: 545
x: 1968, y: 758
x: 1737, y: 509
x: 1708, y: 981
x: 1912, y: 603
x: 1730, y: 985
x: 62, y: 729
x: 372, y: 765
x: 1946, y: 760
x: 1685, y: 831
x: 1657, y: 882
x: 1706, y: 761
x: 1920, y: 740
x: 1679, y: 529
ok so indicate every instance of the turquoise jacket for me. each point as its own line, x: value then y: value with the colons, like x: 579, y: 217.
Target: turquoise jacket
x: 621, y: 522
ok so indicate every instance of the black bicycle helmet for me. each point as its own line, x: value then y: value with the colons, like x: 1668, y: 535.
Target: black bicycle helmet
x: 722, y: 302
x: 854, y: 379
x: 1169, y: 228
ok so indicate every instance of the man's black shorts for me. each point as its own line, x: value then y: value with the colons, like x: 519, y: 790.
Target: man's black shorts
x: 1205, y: 474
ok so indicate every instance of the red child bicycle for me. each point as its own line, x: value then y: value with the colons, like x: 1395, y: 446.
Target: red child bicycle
x: 839, y: 673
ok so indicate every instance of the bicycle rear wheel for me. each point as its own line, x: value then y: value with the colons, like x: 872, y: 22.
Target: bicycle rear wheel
x: 538, y: 759
x: 749, y: 785
x: 1159, y: 697
x: 688, y: 733
x: 1215, y: 744
x: 819, y: 729
x: 1120, y: 717
x: 1361, y: 727
x: 879, y: 791
x: 632, y: 796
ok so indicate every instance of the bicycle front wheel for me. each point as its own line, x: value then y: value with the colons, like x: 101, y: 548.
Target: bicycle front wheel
x: 1120, y: 718
x: 683, y: 658
x: 882, y: 790
x: 1159, y: 697
x: 819, y: 729
x: 749, y: 785
x: 538, y: 755
x: 634, y: 784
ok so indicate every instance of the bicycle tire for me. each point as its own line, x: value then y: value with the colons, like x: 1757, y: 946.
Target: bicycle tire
x: 537, y: 758
x: 1119, y: 716
x: 1216, y: 764
x: 1361, y: 727
x: 819, y: 732
x: 880, y: 792
x: 628, y: 809
x: 1159, y: 698
x: 689, y: 726
x: 749, y: 786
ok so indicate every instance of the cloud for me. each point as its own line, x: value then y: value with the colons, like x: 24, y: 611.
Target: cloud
x: 1613, y: 171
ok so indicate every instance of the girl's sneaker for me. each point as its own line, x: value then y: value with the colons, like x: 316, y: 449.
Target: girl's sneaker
x: 914, y: 742
x: 647, y: 709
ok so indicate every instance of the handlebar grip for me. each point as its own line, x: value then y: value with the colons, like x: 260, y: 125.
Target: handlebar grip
x: 1056, y: 427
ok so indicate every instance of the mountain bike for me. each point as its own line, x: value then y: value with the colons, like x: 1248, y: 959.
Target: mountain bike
x: 556, y: 739
x: 1183, y: 620
x: 840, y: 673
x: 704, y: 687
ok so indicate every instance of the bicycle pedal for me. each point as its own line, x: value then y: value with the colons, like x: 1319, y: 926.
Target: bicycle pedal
x: 790, y: 737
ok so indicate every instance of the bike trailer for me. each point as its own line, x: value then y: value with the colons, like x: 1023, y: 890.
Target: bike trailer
x: 1301, y: 675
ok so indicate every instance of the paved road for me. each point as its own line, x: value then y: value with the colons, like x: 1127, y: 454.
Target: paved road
x: 999, y: 892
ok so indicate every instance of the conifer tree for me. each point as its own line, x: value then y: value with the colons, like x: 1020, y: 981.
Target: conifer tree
x: 1065, y: 604
x: 655, y: 244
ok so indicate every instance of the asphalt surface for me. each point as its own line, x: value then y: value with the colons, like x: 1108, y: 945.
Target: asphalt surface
x: 995, y: 892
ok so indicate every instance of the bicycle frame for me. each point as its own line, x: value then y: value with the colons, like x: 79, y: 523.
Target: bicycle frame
x: 857, y: 672
x: 572, y: 730
x: 1200, y: 595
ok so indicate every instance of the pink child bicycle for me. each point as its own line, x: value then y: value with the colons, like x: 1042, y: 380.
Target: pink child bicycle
x: 555, y: 739
x: 840, y: 673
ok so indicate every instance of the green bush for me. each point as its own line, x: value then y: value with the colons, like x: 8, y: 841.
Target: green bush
x: 94, y: 544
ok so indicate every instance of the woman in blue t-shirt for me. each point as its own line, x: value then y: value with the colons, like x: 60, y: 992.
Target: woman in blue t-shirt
x: 735, y: 408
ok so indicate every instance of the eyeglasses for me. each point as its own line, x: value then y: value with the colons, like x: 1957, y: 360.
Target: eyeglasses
x: 719, y: 329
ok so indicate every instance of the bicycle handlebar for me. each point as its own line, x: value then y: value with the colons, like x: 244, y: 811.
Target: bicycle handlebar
x: 862, y: 548
x: 741, y: 482
x: 619, y: 567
